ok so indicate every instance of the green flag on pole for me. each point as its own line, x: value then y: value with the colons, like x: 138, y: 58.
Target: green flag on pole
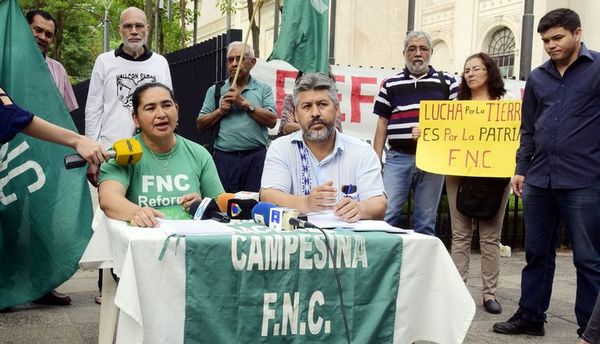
x: 45, y: 210
x: 303, y: 40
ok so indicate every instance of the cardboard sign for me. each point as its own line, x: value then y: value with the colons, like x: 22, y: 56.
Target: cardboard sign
x: 469, y: 138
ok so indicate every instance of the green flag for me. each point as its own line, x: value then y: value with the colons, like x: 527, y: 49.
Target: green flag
x: 45, y: 211
x: 303, y: 40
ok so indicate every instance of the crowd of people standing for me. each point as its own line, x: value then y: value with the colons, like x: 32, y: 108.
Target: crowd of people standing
x: 131, y: 94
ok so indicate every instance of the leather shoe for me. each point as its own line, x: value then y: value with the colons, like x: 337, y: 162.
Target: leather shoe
x: 54, y: 298
x: 492, y: 306
x: 517, y: 325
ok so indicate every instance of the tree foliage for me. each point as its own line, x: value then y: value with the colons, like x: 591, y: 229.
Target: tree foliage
x: 79, y: 34
x: 229, y: 6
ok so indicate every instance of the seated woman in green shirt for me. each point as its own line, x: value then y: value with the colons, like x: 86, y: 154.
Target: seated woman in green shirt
x: 173, y: 171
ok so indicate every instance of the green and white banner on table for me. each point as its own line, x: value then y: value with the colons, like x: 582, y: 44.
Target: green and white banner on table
x: 281, y: 287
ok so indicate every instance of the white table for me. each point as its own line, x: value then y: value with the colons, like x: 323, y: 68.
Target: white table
x: 433, y: 304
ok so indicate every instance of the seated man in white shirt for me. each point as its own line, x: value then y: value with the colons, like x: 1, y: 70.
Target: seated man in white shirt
x: 307, y: 170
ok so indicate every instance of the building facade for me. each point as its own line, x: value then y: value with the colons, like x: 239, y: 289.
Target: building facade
x: 371, y: 33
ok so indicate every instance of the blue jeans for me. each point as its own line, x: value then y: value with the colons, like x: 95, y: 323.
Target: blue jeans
x: 400, y: 177
x: 592, y: 330
x: 580, y: 211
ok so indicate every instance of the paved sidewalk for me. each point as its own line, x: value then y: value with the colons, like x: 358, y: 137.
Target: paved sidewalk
x: 78, y: 323
x: 561, y: 326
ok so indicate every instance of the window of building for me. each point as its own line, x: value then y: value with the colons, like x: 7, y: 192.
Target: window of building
x: 502, y: 50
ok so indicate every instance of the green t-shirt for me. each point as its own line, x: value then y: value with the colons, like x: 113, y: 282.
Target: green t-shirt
x: 160, y: 179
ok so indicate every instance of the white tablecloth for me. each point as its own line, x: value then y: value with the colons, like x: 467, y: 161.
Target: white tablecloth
x: 433, y: 304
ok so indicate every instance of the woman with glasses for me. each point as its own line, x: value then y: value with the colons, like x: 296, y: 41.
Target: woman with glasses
x: 481, y: 80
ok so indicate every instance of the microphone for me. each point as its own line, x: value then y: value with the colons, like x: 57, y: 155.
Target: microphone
x: 280, y: 218
x: 222, y: 201
x: 125, y: 152
x: 261, y: 213
x: 207, y: 209
x: 294, y: 221
x: 240, y: 209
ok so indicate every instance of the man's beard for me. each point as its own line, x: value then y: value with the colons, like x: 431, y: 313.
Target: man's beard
x: 318, y: 135
x: 135, y: 46
x: 417, y: 69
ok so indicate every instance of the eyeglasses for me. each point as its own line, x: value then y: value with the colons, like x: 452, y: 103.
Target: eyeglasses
x: 137, y: 26
x: 475, y: 70
x: 413, y: 49
x: 230, y: 59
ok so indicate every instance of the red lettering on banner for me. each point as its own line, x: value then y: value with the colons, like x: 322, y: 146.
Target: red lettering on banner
x: 280, y: 77
x: 357, y: 98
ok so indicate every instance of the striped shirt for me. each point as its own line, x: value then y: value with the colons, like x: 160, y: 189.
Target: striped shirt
x: 61, y: 78
x: 398, y: 101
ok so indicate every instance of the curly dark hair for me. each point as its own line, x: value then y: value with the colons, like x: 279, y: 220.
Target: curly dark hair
x: 495, y: 84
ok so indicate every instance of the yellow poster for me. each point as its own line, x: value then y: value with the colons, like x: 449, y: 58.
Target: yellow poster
x: 469, y: 138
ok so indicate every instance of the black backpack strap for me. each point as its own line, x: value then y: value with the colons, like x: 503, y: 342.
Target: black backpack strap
x: 443, y: 84
x: 218, y: 85
x: 214, y: 130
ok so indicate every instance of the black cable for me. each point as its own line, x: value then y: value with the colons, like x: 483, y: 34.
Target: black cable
x: 339, y: 284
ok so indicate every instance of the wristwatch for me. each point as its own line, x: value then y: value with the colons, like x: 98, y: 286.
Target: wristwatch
x: 251, y: 108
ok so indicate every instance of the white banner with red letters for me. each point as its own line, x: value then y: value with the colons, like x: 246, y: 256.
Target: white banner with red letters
x: 358, y: 88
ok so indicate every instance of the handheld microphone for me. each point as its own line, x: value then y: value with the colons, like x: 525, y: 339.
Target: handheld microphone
x: 207, y: 209
x: 240, y: 209
x: 280, y: 218
x: 125, y: 152
x: 222, y: 201
x: 261, y: 213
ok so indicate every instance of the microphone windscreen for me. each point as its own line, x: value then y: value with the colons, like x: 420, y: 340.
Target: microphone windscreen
x: 261, y: 212
x: 203, y: 209
x: 222, y: 200
x: 127, y: 151
x: 240, y: 209
x: 193, y: 207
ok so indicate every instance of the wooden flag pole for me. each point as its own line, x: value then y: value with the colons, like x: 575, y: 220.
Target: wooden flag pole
x: 259, y: 4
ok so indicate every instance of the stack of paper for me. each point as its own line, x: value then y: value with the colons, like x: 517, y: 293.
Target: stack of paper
x: 327, y: 219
